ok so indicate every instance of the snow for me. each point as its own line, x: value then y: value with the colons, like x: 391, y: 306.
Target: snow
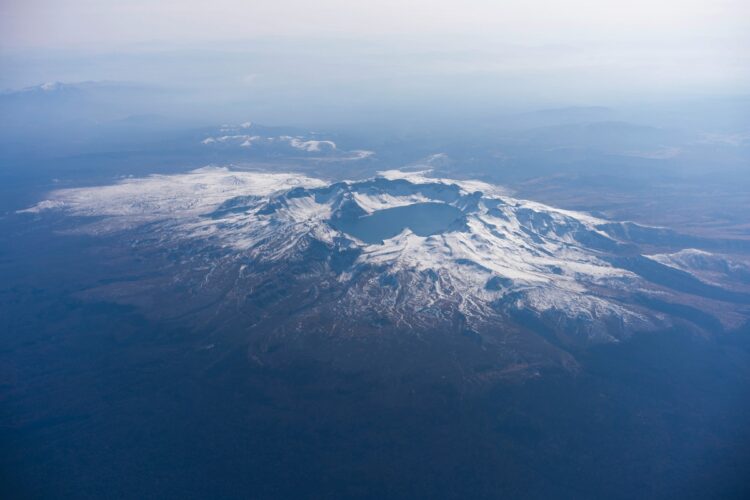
x: 371, y: 202
x: 709, y: 267
x: 298, y: 143
x: 310, y: 146
x: 423, y: 177
x: 551, y: 269
x: 239, y: 136
x: 44, y: 205
x: 171, y: 196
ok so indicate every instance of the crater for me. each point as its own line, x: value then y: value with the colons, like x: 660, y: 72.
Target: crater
x: 423, y: 219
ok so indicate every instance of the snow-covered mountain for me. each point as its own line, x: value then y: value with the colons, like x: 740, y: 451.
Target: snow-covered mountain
x: 394, y: 257
x: 255, y: 138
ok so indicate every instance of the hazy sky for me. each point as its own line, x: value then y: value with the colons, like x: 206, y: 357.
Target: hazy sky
x: 55, y: 23
x: 341, y: 52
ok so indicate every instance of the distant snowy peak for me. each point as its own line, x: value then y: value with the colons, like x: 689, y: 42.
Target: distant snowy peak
x: 49, y: 86
x: 254, y: 137
x: 46, y: 87
x: 55, y: 87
